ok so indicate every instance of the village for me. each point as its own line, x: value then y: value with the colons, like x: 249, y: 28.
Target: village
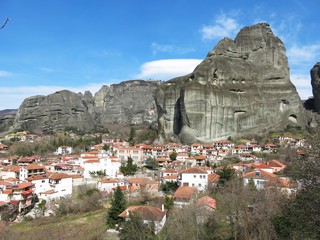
x: 27, y: 181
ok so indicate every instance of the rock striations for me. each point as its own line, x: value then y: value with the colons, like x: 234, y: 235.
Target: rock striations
x: 130, y: 102
x: 241, y: 87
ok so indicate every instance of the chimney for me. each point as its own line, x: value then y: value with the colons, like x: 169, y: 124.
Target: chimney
x: 162, y: 208
x: 127, y: 211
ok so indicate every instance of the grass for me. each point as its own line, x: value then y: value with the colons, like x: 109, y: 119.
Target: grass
x: 86, y: 226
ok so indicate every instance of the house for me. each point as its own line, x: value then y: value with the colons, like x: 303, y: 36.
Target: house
x: 148, y: 214
x: 64, y: 150
x: 213, y: 180
x: 205, y: 207
x: 123, y: 153
x: 169, y: 175
x: 107, y: 185
x: 184, y: 195
x: 20, y: 194
x: 60, y: 186
x: 31, y: 170
x: 276, y: 165
x: 10, y: 171
x: 194, y: 177
x: 259, y: 178
x: 135, y: 184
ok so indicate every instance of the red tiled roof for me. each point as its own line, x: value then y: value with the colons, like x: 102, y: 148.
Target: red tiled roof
x: 193, y: 170
x: 185, y: 192
x: 206, y: 201
x: 213, y: 178
x: 145, y: 212
x: 57, y: 176
x: 34, y: 166
x: 200, y: 157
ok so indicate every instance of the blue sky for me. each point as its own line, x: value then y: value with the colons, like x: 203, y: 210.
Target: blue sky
x: 50, y: 45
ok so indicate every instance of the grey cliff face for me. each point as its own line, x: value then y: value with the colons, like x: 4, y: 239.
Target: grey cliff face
x: 54, y: 112
x: 315, y: 82
x: 241, y: 87
x: 130, y: 102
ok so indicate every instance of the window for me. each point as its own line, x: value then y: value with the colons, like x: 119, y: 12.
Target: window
x: 199, y: 184
x: 194, y: 176
x: 204, y: 176
x: 192, y: 184
x: 200, y: 176
x: 43, y: 181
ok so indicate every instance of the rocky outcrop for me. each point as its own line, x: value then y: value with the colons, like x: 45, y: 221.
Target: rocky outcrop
x: 55, y: 112
x: 241, y: 87
x: 315, y: 82
x: 129, y: 102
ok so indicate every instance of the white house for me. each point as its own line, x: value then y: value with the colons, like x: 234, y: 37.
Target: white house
x: 64, y: 150
x: 60, y: 186
x: 194, y: 177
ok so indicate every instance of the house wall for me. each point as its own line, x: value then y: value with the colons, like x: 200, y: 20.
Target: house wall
x: 198, y: 180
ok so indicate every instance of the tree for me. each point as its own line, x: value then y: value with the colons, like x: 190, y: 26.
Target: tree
x: 173, y: 156
x: 132, y: 135
x: 129, y: 168
x: 118, y: 205
x: 135, y: 229
x: 169, y: 187
x: 106, y: 147
x: 151, y: 163
x: 226, y: 174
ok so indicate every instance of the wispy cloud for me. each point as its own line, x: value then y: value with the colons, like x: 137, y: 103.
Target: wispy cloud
x: 303, y: 54
x: 167, y: 69
x: 5, y: 74
x: 223, y: 26
x: 167, y: 48
x: 46, y: 69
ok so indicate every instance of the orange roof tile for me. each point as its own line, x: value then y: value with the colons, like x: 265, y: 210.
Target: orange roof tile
x: 145, y: 212
x: 185, y: 192
x: 206, y: 201
x: 192, y: 170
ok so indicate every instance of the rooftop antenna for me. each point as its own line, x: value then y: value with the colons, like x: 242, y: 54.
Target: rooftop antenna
x: 5, y: 23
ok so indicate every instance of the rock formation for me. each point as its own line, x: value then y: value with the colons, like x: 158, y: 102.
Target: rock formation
x: 129, y: 102
x: 241, y: 87
x: 54, y: 112
x: 315, y: 82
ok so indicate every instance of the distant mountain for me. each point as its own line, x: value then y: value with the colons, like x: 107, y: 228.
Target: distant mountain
x: 8, y: 111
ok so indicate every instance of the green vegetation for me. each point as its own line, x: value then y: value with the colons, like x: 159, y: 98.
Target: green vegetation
x: 151, y: 163
x: 135, y: 229
x: 173, y: 156
x: 129, y: 168
x: 118, y: 205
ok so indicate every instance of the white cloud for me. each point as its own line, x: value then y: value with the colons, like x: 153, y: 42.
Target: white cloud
x: 223, y: 27
x: 305, y: 54
x: 167, y: 68
x: 303, y: 84
x: 5, y: 74
x: 167, y: 48
x: 12, y: 97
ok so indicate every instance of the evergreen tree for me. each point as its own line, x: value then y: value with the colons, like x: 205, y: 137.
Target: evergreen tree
x: 132, y: 136
x: 135, y: 229
x: 129, y: 168
x: 118, y: 205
